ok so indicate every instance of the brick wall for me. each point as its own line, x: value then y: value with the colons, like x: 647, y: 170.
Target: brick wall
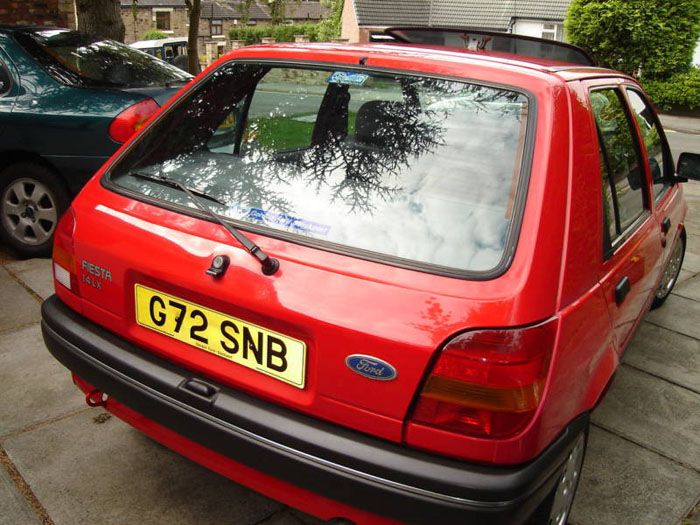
x: 59, y: 13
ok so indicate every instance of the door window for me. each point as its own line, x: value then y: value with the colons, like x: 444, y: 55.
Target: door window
x: 5, y: 79
x: 659, y: 158
x: 623, y: 175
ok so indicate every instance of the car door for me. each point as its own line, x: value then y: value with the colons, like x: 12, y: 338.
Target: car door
x: 632, y: 239
x: 667, y: 196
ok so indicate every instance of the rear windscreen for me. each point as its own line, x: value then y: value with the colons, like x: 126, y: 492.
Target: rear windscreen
x: 488, y: 41
x: 413, y: 170
x: 81, y: 60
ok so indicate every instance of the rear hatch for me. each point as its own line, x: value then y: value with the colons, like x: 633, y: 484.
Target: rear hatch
x: 390, y: 227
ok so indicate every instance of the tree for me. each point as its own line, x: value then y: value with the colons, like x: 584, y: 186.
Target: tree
x: 329, y: 27
x: 100, y: 18
x: 644, y: 38
x: 194, y: 9
x: 244, y: 8
x: 277, y: 14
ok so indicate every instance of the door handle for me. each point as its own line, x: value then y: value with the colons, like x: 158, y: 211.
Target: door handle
x: 622, y: 288
x: 665, y: 225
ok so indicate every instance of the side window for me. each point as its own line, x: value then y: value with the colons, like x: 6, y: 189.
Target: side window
x: 5, y: 79
x: 659, y: 161
x: 276, y: 123
x: 623, y: 176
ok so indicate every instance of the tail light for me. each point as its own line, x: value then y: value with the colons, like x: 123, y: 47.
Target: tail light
x: 132, y: 119
x: 487, y: 383
x: 65, y: 269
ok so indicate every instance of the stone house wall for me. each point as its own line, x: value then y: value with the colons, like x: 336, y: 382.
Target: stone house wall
x: 58, y: 13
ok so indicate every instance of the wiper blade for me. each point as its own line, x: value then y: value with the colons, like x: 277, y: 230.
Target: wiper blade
x: 172, y: 183
x: 270, y: 265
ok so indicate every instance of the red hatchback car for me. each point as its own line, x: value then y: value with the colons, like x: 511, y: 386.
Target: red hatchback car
x: 378, y: 283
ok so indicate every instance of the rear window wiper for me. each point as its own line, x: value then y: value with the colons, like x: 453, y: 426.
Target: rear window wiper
x: 270, y: 265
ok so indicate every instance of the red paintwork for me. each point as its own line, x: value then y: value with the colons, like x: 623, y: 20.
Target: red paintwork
x: 340, y: 305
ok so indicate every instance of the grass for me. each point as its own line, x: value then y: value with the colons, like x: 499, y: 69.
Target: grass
x: 287, y: 133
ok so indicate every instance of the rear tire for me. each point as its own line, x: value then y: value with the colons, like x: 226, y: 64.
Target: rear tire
x: 32, y: 199
x: 671, y: 273
x: 556, y: 507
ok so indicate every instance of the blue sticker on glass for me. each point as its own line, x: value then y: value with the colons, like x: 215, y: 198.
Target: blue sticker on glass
x: 348, y: 78
x: 287, y: 221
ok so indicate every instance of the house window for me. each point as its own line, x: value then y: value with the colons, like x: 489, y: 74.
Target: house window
x: 163, y: 20
x: 217, y: 28
x: 551, y: 31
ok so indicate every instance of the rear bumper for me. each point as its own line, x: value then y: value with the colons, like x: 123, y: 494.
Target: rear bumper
x: 358, y: 470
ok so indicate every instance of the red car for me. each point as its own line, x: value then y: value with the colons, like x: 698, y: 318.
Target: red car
x: 380, y: 282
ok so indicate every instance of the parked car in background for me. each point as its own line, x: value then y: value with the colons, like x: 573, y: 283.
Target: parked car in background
x: 163, y: 48
x: 379, y: 282
x: 172, y: 50
x: 68, y: 101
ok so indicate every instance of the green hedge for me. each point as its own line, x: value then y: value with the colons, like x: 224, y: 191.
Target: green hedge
x: 282, y: 33
x: 680, y: 90
x: 154, y: 34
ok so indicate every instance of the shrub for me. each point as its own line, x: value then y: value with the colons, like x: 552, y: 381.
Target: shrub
x: 284, y: 33
x: 154, y: 34
x: 682, y: 90
x: 653, y: 37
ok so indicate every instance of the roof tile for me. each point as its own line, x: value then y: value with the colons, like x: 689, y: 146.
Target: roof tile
x: 475, y: 14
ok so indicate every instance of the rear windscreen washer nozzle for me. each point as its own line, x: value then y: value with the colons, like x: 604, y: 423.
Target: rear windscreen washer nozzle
x: 218, y: 266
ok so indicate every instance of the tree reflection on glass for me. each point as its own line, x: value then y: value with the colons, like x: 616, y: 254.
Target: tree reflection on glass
x: 418, y: 168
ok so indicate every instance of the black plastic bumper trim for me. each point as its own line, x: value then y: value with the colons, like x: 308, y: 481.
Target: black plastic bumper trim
x: 359, y: 470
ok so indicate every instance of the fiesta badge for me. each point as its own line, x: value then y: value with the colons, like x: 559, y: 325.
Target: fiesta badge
x: 370, y: 367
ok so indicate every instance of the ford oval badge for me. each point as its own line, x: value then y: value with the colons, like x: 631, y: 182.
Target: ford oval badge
x: 370, y: 367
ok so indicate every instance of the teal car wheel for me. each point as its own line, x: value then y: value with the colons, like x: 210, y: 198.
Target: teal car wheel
x: 32, y: 201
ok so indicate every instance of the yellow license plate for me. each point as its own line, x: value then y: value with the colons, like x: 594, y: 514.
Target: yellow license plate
x: 246, y: 344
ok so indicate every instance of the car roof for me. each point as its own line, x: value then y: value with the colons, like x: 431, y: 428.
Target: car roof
x: 157, y: 42
x: 525, y: 64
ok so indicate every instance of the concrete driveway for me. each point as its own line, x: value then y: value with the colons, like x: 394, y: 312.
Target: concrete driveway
x: 65, y: 463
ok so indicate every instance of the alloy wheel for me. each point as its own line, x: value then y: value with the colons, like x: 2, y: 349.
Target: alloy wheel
x: 673, y: 269
x: 29, y: 211
x: 564, y: 496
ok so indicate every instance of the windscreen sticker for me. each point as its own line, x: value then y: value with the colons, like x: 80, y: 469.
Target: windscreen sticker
x: 287, y: 221
x: 348, y: 78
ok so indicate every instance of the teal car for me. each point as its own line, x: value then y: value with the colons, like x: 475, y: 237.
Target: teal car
x: 68, y: 101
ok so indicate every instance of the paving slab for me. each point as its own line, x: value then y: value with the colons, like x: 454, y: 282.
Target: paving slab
x: 691, y: 262
x: 286, y: 517
x: 86, y: 469
x: 17, y: 306
x: 304, y: 518
x: 666, y: 354
x: 34, y: 387
x: 690, y: 288
x: 685, y: 275
x: 625, y: 483
x: 13, y: 507
x: 36, y: 274
x: 679, y: 314
x: 653, y: 413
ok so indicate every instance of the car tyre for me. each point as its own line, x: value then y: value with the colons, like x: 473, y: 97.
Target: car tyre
x: 32, y: 199
x: 556, y: 507
x: 671, y: 272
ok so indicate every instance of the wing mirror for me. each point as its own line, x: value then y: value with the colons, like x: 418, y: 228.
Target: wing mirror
x: 688, y: 167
